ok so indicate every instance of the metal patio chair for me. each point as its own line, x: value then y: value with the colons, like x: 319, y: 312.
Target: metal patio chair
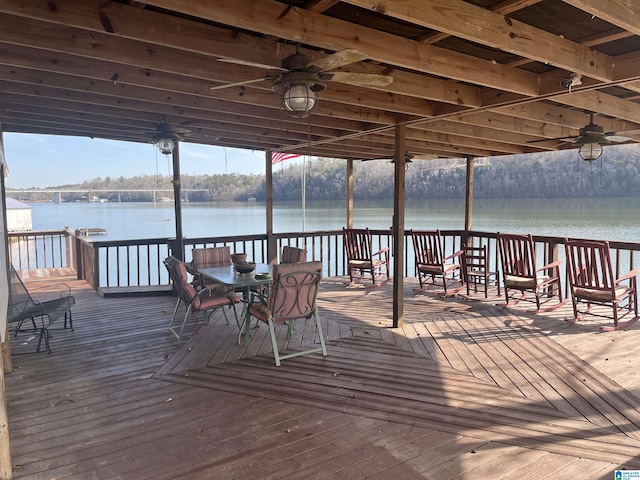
x: 292, y: 297
x: 208, y: 257
x: 205, y: 300
x: 293, y: 254
x: 22, y: 306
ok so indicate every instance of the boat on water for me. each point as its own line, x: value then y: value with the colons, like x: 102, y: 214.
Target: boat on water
x: 93, y: 231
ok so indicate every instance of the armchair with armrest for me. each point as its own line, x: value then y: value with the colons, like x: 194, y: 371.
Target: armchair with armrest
x: 358, y: 246
x: 292, y: 297
x: 519, y: 271
x: 22, y: 306
x: 592, y: 282
x: 195, y: 301
x: 430, y: 259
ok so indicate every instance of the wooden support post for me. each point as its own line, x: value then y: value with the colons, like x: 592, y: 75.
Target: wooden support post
x: 272, y: 243
x: 468, y: 203
x: 5, y: 344
x: 177, y: 203
x: 398, y: 225
x: 5, y: 348
x: 350, y: 193
x: 5, y: 451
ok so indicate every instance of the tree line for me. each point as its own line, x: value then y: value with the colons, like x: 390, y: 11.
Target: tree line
x: 554, y: 174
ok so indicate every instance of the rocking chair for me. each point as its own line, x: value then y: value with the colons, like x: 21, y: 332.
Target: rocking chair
x: 592, y: 281
x: 519, y: 272
x: 430, y: 259
x: 358, y: 245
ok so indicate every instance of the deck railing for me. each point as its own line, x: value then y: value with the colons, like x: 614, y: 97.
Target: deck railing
x: 138, y: 263
x: 43, y: 249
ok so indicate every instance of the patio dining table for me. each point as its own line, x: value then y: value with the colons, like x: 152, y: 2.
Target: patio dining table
x: 241, y: 281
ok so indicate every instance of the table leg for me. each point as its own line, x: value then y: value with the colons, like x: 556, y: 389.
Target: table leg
x: 246, y: 297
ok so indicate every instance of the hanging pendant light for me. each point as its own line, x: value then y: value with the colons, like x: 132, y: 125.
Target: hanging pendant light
x: 165, y: 145
x: 299, y: 99
x: 590, y: 151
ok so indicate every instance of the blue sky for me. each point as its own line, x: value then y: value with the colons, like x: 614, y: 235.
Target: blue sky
x: 47, y: 160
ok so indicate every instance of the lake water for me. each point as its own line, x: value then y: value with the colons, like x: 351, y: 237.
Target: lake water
x: 598, y: 218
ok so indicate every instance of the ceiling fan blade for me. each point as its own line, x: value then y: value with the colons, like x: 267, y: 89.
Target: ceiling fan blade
x: 239, y: 84
x: 617, y: 138
x: 624, y: 132
x: 571, y: 137
x: 338, y: 59
x: 359, y: 79
x: 251, y: 64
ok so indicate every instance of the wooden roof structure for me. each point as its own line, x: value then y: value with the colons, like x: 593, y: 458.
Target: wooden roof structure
x: 470, y: 78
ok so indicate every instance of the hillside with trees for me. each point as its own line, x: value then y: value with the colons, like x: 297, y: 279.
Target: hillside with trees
x: 555, y: 174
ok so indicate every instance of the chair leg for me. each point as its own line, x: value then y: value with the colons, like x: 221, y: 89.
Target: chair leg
x: 184, y: 322
x: 321, y: 335
x: 274, y: 343
x: 175, y: 310
x: 70, y: 320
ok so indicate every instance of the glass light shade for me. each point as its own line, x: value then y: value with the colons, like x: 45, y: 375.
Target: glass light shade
x: 165, y: 145
x: 590, y: 151
x: 299, y: 100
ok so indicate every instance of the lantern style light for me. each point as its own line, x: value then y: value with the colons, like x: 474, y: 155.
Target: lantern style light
x: 165, y: 145
x: 590, y: 151
x: 299, y: 99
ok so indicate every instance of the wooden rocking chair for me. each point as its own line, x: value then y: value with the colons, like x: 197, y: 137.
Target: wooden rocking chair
x: 592, y: 282
x: 519, y: 271
x: 358, y: 246
x: 430, y: 260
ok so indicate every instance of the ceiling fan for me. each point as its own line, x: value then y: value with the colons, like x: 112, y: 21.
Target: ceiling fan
x: 408, y: 158
x: 300, y: 77
x: 166, y: 135
x: 591, y: 133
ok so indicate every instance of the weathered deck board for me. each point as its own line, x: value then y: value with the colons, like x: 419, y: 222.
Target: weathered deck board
x: 93, y: 408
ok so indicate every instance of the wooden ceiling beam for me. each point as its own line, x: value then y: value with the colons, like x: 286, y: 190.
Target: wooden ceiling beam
x: 158, y: 29
x: 274, y: 18
x: 193, y: 66
x: 497, y: 31
x: 625, y: 14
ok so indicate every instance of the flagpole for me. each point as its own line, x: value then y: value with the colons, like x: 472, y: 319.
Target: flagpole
x: 304, y: 191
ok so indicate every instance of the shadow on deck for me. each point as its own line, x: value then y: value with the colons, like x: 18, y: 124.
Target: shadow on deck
x: 464, y: 389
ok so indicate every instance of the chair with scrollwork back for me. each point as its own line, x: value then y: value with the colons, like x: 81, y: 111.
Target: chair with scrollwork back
x: 519, y: 271
x: 358, y: 246
x: 592, y: 282
x: 292, y: 297
x: 430, y: 259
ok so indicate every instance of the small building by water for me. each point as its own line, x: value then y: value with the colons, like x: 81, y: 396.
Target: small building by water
x: 18, y: 216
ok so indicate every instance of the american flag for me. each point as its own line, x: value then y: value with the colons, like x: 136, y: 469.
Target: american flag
x: 278, y: 157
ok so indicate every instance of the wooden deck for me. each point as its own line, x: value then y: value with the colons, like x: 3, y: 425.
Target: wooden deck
x: 465, y: 390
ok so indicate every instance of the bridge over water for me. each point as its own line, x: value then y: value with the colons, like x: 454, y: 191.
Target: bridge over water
x: 93, y: 195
